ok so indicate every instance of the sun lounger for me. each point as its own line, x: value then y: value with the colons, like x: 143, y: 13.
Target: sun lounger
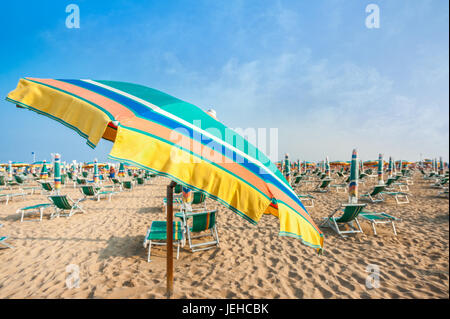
x: 32, y: 209
x: 95, y: 193
x: 156, y: 235
x: 3, y: 240
x: 306, y: 199
x: 203, y: 224
x: 323, y: 186
x: 349, y: 217
x: 65, y: 203
x: 47, y: 188
x: 379, y: 218
x: 9, y: 197
x: 400, y: 197
x: 375, y: 195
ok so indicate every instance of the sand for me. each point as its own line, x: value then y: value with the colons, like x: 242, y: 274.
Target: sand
x: 251, y: 262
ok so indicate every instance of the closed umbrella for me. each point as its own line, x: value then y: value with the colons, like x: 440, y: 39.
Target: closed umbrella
x: 57, y: 173
x: 354, y: 176
x: 380, y: 169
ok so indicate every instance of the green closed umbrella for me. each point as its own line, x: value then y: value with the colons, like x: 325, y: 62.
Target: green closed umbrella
x: 44, y: 171
x: 354, y: 176
x: 57, y: 173
x: 380, y: 169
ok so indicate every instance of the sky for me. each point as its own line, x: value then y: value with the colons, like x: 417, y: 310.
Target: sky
x: 310, y: 69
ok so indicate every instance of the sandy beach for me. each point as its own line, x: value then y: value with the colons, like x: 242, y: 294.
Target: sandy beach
x: 251, y: 262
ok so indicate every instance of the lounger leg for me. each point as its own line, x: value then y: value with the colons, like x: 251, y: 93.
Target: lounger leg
x: 359, y: 226
x: 149, y: 250
x: 178, y: 249
x: 374, y: 229
x: 217, y: 235
x: 393, y: 227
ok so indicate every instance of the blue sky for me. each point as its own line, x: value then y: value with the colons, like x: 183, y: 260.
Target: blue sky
x: 309, y: 68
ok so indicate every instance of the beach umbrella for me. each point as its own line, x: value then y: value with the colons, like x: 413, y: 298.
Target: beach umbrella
x: 44, y: 171
x: 390, y: 167
x: 380, y: 169
x: 287, y: 168
x: 165, y: 135
x: 10, y: 171
x: 121, y: 172
x: 96, y: 177
x: 354, y: 176
x: 57, y: 172
x: 327, y: 168
x: 441, y: 166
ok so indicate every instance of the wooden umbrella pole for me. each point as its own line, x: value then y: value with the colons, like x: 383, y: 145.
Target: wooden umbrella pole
x: 169, y: 237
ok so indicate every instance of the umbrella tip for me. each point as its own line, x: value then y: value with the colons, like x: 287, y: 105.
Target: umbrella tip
x: 212, y: 112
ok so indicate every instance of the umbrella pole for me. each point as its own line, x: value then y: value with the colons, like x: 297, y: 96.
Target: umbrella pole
x: 169, y: 237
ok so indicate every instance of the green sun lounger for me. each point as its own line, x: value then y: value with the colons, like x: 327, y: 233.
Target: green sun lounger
x: 379, y: 218
x: 64, y: 203
x: 32, y: 209
x: 127, y: 185
x: 306, y: 199
x: 3, y: 240
x: 203, y: 223
x: 8, y: 197
x: 323, y: 186
x: 375, y: 195
x: 156, y: 235
x: 349, y: 217
x: 95, y: 193
x: 400, y: 197
x: 47, y: 188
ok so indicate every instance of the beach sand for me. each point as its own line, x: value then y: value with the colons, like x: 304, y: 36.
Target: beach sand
x: 252, y: 261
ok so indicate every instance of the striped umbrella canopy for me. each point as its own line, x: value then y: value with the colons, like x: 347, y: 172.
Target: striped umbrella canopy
x: 121, y: 172
x: 441, y: 166
x: 57, y: 172
x: 287, y: 168
x: 380, y: 169
x: 160, y: 133
x: 339, y: 163
x: 10, y: 171
x: 20, y: 164
x: 96, y: 175
x: 327, y: 168
x: 354, y: 176
x: 44, y: 171
x: 390, y: 167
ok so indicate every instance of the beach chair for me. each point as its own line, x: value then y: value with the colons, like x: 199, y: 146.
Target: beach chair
x: 84, y: 174
x: 403, y: 187
x: 95, y: 193
x: 297, y: 181
x: 379, y: 218
x: 3, y: 240
x: 400, y: 197
x: 202, y: 221
x: 306, y: 199
x: 32, y: 209
x: 323, y: 186
x: 116, y: 182
x: 81, y: 181
x: 8, y: 197
x: 156, y: 235
x: 340, y: 188
x: 140, y: 181
x: 65, y: 203
x: 47, y: 188
x: 128, y: 185
x: 375, y: 195
x: 349, y: 217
